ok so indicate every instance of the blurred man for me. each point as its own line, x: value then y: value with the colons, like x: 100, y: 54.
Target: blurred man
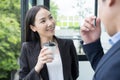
x: 107, y: 67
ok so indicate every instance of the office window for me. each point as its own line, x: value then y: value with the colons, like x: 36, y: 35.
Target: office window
x: 69, y: 15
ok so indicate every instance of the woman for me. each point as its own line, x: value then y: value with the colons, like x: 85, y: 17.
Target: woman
x: 35, y: 59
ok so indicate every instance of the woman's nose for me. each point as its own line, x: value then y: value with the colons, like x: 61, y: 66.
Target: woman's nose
x: 49, y: 23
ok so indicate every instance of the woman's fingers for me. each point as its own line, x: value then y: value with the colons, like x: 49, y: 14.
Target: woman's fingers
x: 46, y: 59
x: 45, y: 52
x: 45, y: 56
x: 43, y: 49
x: 48, y: 56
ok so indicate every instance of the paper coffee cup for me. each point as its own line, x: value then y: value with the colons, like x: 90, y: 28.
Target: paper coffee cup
x: 51, y: 46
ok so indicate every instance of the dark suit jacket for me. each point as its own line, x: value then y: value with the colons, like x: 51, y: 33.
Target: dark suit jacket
x: 29, y: 55
x: 106, y: 67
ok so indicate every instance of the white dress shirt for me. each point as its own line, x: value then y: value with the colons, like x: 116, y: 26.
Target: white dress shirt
x: 55, y: 68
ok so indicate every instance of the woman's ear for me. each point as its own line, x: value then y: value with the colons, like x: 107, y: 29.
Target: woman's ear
x: 33, y: 28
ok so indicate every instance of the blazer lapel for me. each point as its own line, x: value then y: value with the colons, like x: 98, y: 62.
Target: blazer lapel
x: 36, y: 51
x: 108, y: 55
x: 61, y: 45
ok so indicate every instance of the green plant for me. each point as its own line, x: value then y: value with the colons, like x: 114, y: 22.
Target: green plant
x: 9, y: 37
x: 9, y: 45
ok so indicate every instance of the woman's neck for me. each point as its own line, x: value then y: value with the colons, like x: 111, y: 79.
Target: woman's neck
x: 44, y: 40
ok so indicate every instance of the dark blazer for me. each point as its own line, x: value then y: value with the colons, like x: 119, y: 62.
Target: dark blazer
x: 106, y: 67
x: 29, y: 55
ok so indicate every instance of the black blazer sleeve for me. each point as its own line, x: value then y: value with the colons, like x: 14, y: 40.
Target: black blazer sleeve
x: 25, y: 73
x: 94, y: 52
x: 74, y: 58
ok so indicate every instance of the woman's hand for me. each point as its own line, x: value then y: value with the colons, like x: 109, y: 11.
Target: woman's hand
x: 45, y: 56
x: 89, y: 32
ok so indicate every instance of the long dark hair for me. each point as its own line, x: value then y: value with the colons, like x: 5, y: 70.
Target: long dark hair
x: 30, y: 20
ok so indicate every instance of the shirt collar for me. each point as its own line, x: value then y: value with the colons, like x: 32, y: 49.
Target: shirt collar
x: 114, y: 38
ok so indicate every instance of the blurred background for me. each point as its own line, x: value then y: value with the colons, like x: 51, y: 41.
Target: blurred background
x: 10, y: 37
x: 69, y: 15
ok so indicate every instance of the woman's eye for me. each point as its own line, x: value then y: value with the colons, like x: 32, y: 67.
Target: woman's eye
x: 51, y: 17
x: 42, y: 21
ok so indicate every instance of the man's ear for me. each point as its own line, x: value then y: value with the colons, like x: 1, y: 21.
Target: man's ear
x: 111, y: 2
x: 33, y: 28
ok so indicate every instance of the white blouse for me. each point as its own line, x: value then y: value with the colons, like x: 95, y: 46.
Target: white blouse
x: 55, y: 69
